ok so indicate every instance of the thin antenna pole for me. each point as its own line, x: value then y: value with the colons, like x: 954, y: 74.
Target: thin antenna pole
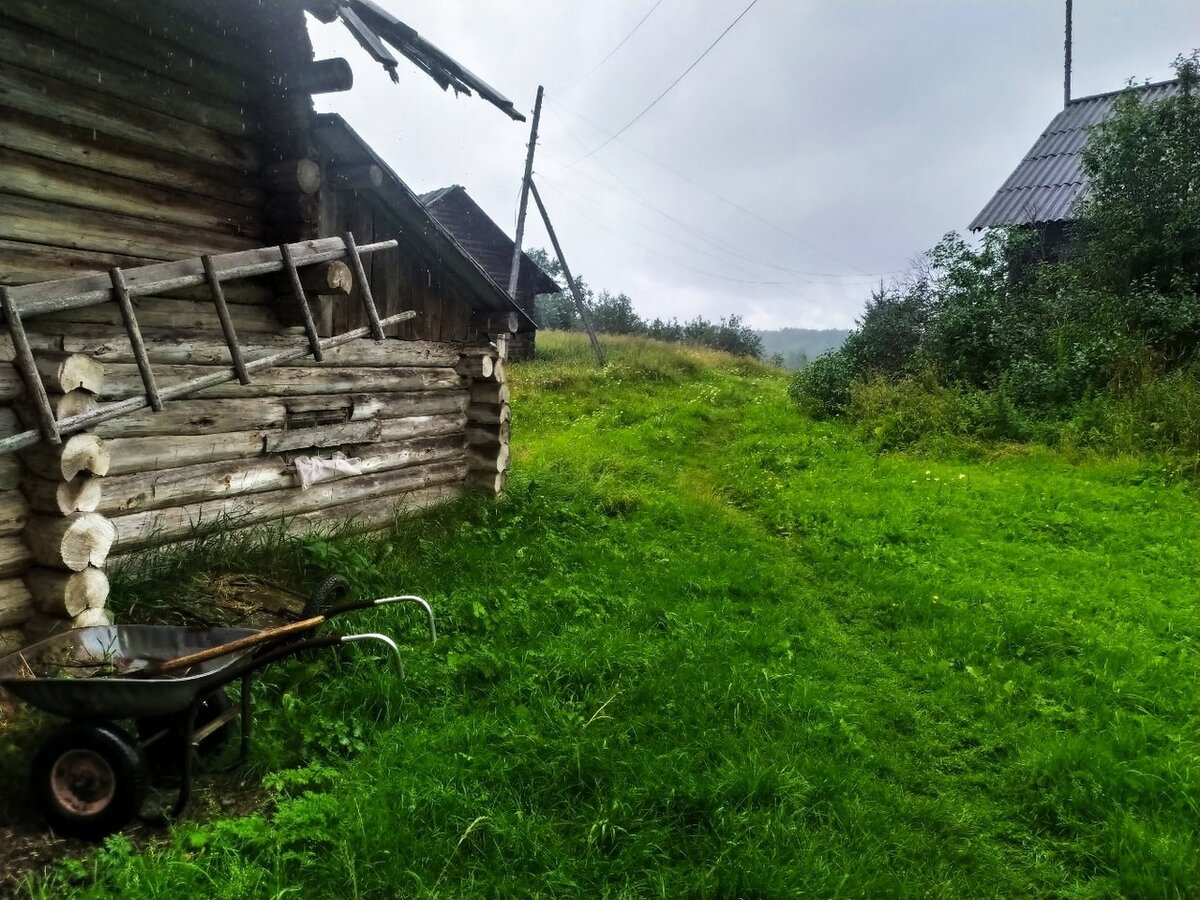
x: 1067, y: 60
x: 514, y: 274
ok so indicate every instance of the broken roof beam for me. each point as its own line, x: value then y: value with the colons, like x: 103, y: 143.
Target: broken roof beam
x: 441, y: 67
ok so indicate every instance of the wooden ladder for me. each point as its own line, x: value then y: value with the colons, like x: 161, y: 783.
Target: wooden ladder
x: 26, y: 301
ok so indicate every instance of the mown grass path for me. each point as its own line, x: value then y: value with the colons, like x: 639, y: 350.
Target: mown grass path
x: 709, y: 648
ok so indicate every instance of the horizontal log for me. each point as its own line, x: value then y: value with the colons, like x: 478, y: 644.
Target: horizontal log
x: 43, y: 222
x: 331, y: 279
x: 67, y: 594
x: 323, y: 76
x: 70, y: 542
x: 61, y: 498
x: 322, y: 436
x: 14, y: 556
x: 489, y: 435
x: 495, y: 323
x: 23, y: 263
x: 488, y: 482
x: 421, y: 426
x: 163, y: 312
x: 14, y: 513
x: 479, y: 367
x: 90, y: 150
x: 31, y: 176
x: 228, y: 479
x: 31, y: 49
x: 360, y: 177
x: 303, y: 175
x: 123, y: 380
x: 16, y: 605
x: 285, y: 211
x: 155, y: 527
x: 70, y: 104
x: 63, y: 372
x: 376, y: 514
x: 12, y: 385
x: 10, y: 472
x: 488, y: 459
x: 489, y: 392
x: 179, y: 347
x: 199, y: 417
x: 141, y: 454
x: 84, y: 453
x: 489, y: 414
x: 111, y: 35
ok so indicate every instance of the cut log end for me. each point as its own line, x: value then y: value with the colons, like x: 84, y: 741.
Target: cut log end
x: 73, y: 542
x: 67, y: 594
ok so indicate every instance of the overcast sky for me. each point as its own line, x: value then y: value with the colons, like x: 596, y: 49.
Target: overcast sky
x: 852, y: 134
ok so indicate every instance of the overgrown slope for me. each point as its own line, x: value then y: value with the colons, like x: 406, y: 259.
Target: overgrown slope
x: 706, y: 647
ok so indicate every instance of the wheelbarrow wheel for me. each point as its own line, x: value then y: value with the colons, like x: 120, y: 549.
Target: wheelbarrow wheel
x: 89, y: 780
x: 324, y: 595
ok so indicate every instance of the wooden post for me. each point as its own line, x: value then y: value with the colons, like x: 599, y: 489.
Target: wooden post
x: 515, y: 274
x: 562, y: 261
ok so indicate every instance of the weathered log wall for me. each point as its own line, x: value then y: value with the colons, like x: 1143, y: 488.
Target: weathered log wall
x: 145, y: 130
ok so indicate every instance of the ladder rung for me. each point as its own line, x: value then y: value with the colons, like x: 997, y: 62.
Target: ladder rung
x: 310, y: 328
x: 135, y: 337
x: 28, y: 367
x: 360, y: 273
x: 218, y: 295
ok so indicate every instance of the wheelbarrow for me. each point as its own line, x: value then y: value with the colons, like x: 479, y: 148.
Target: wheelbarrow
x: 91, y: 776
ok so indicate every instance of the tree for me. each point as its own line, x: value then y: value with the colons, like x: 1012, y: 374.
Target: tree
x: 1141, y: 221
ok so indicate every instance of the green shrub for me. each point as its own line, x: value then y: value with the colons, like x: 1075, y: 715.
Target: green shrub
x: 822, y: 389
x: 902, y: 413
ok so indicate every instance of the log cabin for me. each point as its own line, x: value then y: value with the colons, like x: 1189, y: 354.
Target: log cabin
x: 203, y: 281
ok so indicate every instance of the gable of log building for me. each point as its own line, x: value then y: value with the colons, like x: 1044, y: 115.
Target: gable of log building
x: 137, y: 131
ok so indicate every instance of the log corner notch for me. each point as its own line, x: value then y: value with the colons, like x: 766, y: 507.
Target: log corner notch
x: 489, y: 421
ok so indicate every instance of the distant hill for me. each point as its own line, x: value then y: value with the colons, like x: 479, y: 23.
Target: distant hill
x: 798, y: 346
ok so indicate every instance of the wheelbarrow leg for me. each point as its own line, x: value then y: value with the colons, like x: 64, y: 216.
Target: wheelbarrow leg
x: 245, y: 749
x: 188, y: 724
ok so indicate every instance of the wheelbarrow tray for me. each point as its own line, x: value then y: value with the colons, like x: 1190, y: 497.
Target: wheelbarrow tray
x: 115, y: 697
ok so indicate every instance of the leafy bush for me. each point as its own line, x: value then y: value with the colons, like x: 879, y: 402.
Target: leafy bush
x: 823, y: 387
x: 1095, y: 347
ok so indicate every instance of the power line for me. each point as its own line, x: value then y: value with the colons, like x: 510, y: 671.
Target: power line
x: 722, y: 246
x: 671, y: 86
x: 706, y: 189
x: 611, y: 52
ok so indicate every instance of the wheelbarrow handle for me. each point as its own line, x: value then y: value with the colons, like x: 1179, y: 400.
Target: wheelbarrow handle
x: 251, y: 640
x: 384, y: 601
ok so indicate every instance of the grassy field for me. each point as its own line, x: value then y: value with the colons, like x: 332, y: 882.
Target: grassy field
x: 708, y: 648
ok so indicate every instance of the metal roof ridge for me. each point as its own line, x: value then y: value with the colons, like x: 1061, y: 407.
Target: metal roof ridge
x: 1128, y: 87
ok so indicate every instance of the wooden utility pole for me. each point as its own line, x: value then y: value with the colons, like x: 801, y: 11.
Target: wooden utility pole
x: 562, y: 261
x: 515, y: 274
x: 1066, y: 60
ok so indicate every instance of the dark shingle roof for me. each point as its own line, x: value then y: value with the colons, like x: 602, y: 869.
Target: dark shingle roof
x: 486, y: 241
x: 1050, y: 180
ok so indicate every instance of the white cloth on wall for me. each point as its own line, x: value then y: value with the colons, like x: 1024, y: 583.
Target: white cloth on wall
x: 311, y: 469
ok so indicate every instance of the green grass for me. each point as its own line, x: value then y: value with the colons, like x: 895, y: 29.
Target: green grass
x: 708, y: 648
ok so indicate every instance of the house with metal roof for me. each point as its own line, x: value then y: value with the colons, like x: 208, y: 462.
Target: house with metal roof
x: 1048, y: 185
x: 486, y: 243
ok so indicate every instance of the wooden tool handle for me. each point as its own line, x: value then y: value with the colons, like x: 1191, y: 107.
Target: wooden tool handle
x: 250, y: 640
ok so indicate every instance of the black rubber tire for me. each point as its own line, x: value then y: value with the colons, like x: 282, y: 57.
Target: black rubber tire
x: 106, y: 749
x: 166, y: 753
x: 324, y: 595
